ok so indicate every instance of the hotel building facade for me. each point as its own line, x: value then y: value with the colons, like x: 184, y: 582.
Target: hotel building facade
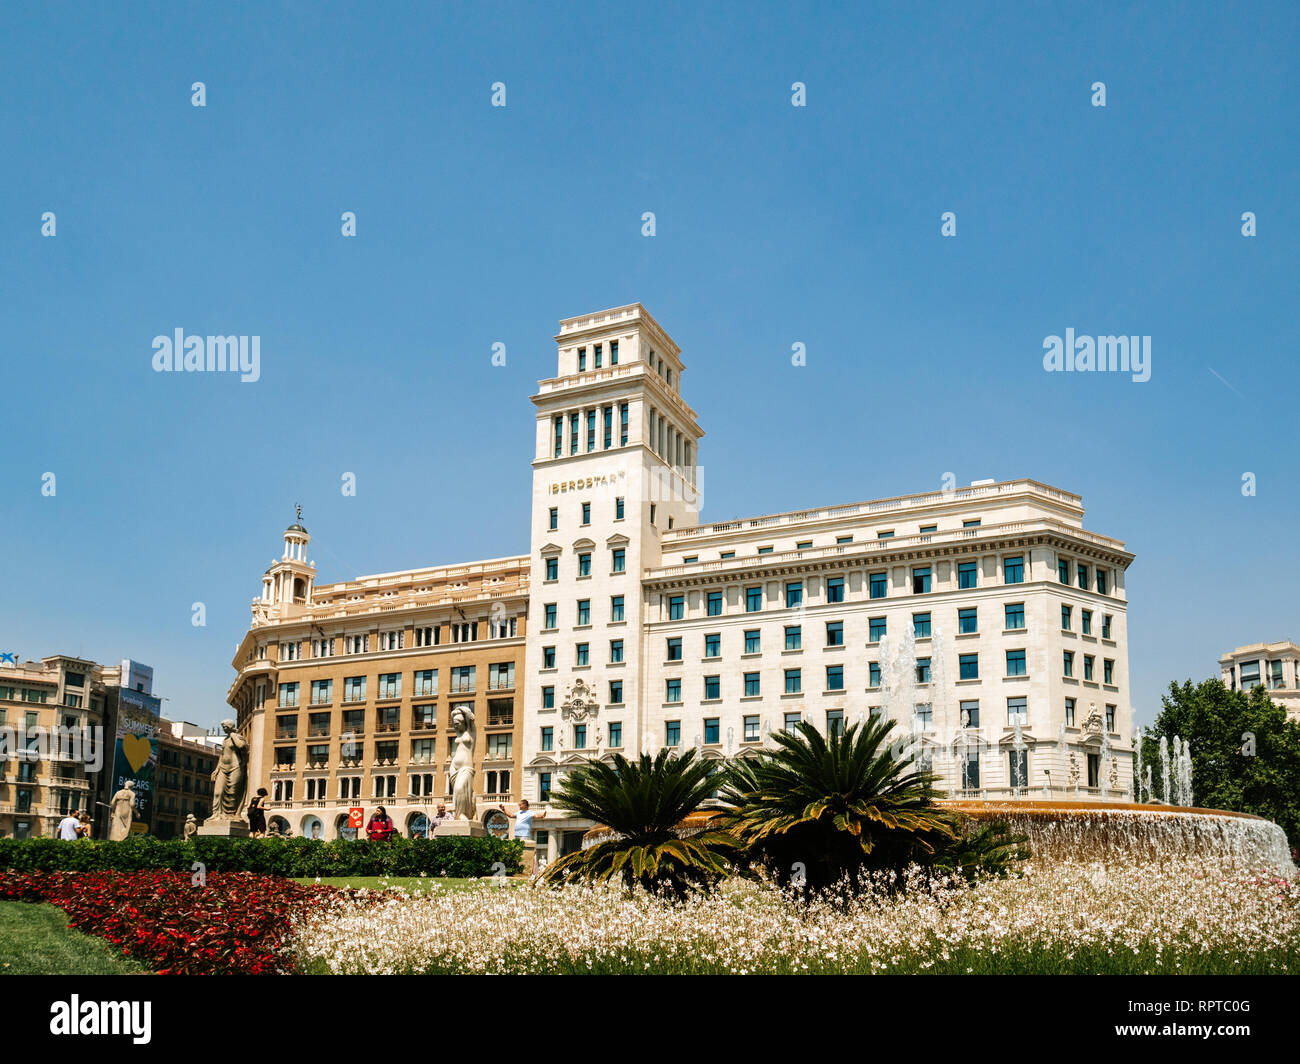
x: 985, y: 620
x: 1275, y: 665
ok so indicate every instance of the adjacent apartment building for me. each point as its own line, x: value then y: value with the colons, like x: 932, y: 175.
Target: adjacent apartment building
x: 984, y: 619
x: 1275, y: 665
x: 345, y: 691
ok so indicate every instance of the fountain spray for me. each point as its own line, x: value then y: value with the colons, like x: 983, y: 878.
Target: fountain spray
x: 1164, y: 769
x: 1137, y: 769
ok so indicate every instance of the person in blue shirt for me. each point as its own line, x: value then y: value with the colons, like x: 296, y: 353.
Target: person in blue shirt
x: 524, y: 820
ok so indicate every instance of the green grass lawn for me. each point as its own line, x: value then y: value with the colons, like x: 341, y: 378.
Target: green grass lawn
x: 411, y: 884
x: 35, y: 940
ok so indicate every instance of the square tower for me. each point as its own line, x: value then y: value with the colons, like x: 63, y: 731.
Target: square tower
x: 615, y: 466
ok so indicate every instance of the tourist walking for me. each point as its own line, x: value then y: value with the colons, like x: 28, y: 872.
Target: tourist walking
x: 380, y: 828
x: 257, y: 814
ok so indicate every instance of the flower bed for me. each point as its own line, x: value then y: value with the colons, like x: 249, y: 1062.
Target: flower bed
x: 1181, y: 916
x: 236, y: 923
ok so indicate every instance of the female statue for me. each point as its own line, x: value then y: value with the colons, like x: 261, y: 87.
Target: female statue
x: 462, y: 764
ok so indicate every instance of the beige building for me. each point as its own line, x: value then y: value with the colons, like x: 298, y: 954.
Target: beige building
x: 345, y: 691
x: 985, y: 619
x: 57, y: 692
x: 1275, y: 665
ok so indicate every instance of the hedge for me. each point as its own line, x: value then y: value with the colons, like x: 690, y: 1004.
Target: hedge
x: 459, y: 857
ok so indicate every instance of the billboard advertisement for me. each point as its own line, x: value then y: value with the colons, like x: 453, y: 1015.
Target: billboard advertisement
x: 135, y: 754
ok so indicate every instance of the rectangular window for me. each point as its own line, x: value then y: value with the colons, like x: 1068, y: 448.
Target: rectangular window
x: 840, y: 541
x: 972, y: 523
x: 1016, y: 663
x: 426, y: 682
x: 793, y: 681
x: 579, y: 737
x: 712, y: 687
x: 1085, y: 621
x: 793, y: 637
x: 672, y: 733
x: 873, y: 674
x: 622, y: 419
x: 618, y: 507
x: 1017, y: 712
x: 793, y: 595
x: 879, y: 585
x: 559, y: 436
x: 835, y: 589
x: 1068, y: 662
x: 967, y: 621
x: 969, y: 666
x: 922, y: 670
x: 752, y: 734
x: 711, y: 731
x: 615, y: 692
x: 876, y: 628
x: 1083, y: 577
x: 582, y: 360
x: 928, y: 529
x: 753, y: 641
x: 501, y: 676
x: 462, y: 679
x: 586, y: 513
x: 751, y: 684
x: 607, y: 425
x: 920, y: 580
x: 1015, y: 616
x: 390, y: 685
x: 673, y: 690
x: 676, y: 607
x: 1087, y: 666
x: 1063, y: 571
x: 1069, y: 712
x: 619, y: 559
x: 970, y: 713
x: 553, y: 518
x: 1065, y: 618
x: 1110, y: 718
x: 834, y: 633
x: 967, y: 574
x: 923, y: 716
x: 615, y: 651
x: 1105, y: 626
x: 613, y: 352
x: 714, y: 604
x: 321, y: 691
x: 581, y: 654
x: 543, y: 787
x: 616, y: 734
x: 552, y: 568
x: 591, y: 430
x: 584, y: 612
x: 1018, y: 767
x: 1013, y: 570
x: 551, y: 616
x: 548, y: 697
x: 753, y: 599
x: 1101, y: 581
x: 834, y: 722
x: 835, y: 677
x: 616, y: 608
x: 921, y: 625
x: 548, y: 739
x: 548, y: 657
x: 354, y: 689
x: 584, y: 564
x: 805, y: 544
x: 791, y: 721
x: 674, y: 651
x: 573, y: 433
x: 713, y: 645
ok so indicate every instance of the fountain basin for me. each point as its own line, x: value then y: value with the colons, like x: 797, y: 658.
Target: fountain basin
x: 1131, y: 833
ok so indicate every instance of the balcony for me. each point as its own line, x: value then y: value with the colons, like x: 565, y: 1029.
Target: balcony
x: 386, y: 728
x: 501, y: 796
x: 285, y: 737
x: 425, y: 725
x: 318, y: 733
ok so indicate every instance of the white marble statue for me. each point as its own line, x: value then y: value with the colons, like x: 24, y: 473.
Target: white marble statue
x: 462, y: 764
x: 123, y: 812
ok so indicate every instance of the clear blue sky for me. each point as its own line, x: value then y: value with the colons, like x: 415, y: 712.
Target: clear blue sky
x: 776, y: 225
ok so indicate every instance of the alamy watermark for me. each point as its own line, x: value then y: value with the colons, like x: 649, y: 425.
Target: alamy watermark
x: 1098, y: 354
x: 179, y: 353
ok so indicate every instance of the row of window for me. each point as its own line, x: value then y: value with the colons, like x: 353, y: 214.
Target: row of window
x: 496, y: 782
x: 422, y: 635
x: 23, y: 694
x: 617, y: 563
x: 501, y: 677
x: 553, y: 514
x: 500, y: 713
x: 604, y: 434
x: 497, y: 747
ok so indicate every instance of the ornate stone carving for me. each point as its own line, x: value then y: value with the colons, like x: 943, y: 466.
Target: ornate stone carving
x: 1095, y: 723
x: 1074, y: 770
x: 580, y: 703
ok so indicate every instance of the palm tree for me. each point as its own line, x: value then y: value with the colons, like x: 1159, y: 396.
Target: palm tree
x: 816, y: 808
x: 644, y: 803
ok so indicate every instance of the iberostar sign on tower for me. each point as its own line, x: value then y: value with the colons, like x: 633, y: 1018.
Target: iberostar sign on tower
x: 984, y: 619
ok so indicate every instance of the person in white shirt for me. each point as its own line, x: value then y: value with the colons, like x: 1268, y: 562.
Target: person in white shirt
x: 69, y: 825
x: 524, y: 820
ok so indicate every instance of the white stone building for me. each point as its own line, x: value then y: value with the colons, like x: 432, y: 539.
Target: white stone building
x: 1275, y: 665
x: 984, y: 619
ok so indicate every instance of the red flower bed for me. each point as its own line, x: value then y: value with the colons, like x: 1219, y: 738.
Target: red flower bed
x: 237, y: 923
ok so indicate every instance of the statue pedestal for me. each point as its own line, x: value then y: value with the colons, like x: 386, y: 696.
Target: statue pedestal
x: 459, y: 828
x: 226, y: 829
